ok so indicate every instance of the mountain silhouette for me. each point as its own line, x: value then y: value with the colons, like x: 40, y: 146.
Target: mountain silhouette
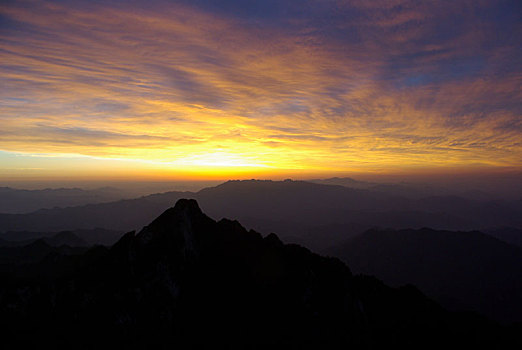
x: 18, y: 201
x: 509, y: 235
x: 82, y: 237
x: 462, y: 270
x: 186, y: 280
x: 67, y: 238
x: 34, y: 251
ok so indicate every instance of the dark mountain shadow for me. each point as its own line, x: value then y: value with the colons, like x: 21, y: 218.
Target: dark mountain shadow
x: 462, y: 270
x: 96, y: 236
x: 509, y: 235
x: 188, y: 281
x: 35, y: 251
x: 67, y: 238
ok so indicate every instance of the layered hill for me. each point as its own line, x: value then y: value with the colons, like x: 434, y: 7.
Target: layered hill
x: 462, y: 270
x: 73, y: 238
x: 55, y: 240
x: 307, y: 213
x: 18, y: 201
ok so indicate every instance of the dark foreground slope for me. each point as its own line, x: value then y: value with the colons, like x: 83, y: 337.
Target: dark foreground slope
x: 55, y: 240
x: 461, y: 270
x: 190, y: 281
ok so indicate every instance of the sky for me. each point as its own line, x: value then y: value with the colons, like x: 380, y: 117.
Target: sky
x: 207, y: 89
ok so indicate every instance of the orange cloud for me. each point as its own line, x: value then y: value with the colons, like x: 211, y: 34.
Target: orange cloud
x: 188, y: 90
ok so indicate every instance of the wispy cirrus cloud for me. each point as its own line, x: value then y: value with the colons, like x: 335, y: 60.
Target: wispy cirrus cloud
x: 321, y: 85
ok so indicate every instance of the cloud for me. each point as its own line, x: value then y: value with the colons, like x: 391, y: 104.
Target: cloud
x: 312, y: 84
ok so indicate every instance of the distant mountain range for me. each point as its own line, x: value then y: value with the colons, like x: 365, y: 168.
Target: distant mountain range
x: 17, y: 201
x: 461, y: 270
x: 480, y: 187
x: 406, y: 189
x: 311, y: 214
x: 188, y: 281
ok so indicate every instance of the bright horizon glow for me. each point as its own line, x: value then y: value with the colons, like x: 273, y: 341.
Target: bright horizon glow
x: 85, y: 168
x: 174, y: 90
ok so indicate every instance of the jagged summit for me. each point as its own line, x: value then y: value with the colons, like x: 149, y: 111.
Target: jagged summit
x: 180, y: 223
x: 182, y: 208
x: 187, y: 204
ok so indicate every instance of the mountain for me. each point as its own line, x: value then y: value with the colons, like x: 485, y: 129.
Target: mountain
x: 345, y: 181
x: 487, y: 186
x: 130, y: 214
x: 65, y: 238
x: 52, y: 239
x: 461, y: 270
x: 186, y: 280
x: 299, y: 211
x: 73, y: 238
x: 18, y: 201
x: 411, y: 190
x: 56, y: 240
x: 509, y: 235
x: 34, y: 252
x: 291, y: 207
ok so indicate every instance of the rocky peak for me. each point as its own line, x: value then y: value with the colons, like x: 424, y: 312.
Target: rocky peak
x: 180, y: 220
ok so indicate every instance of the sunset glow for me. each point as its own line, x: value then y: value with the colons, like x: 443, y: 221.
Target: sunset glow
x: 327, y: 87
